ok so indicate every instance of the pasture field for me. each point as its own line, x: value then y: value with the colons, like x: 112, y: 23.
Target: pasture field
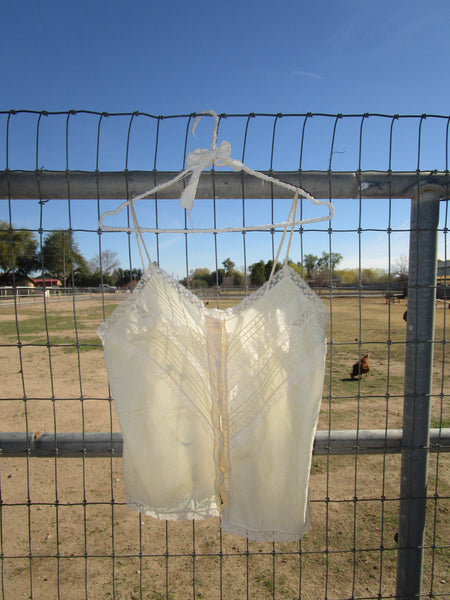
x: 64, y: 524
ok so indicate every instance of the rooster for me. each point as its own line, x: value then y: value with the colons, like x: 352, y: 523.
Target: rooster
x: 361, y: 367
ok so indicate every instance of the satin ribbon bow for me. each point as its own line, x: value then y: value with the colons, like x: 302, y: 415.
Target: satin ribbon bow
x: 201, y: 159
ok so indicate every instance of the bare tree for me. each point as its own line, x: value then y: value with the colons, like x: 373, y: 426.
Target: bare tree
x: 109, y: 262
x: 400, y: 267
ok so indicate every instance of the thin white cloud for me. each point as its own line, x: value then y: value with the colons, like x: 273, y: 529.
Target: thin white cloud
x: 273, y: 73
x: 308, y: 74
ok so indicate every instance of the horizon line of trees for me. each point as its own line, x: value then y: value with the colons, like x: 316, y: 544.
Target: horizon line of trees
x: 315, y: 269
x: 60, y: 256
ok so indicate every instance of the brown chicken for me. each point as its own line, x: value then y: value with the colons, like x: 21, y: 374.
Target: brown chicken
x: 361, y: 367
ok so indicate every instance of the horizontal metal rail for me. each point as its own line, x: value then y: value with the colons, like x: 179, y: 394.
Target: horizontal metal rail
x: 100, y: 445
x: 54, y: 185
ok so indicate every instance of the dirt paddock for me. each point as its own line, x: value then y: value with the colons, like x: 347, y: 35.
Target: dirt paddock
x: 66, y: 533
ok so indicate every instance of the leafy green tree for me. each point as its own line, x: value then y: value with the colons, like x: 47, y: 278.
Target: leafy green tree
x: 200, y: 277
x: 258, y: 273
x: 228, y: 265
x: 198, y: 283
x: 216, y: 277
x: 329, y: 261
x: 61, y: 255
x: 18, y: 250
x: 238, y: 278
x: 310, y: 263
x: 374, y: 276
x: 87, y: 278
x: 347, y: 276
x: 297, y: 267
x: 268, y: 268
x: 201, y: 273
x: 124, y: 276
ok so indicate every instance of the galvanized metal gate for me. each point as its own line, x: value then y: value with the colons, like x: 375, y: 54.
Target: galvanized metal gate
x: 427, y: 191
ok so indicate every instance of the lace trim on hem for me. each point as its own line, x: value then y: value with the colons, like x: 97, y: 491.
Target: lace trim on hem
x: 267, y: 535
x: 187, y: 515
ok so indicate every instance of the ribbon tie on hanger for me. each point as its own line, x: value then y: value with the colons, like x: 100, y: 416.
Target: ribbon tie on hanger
x: 196, y: 162
x: 200, y: 159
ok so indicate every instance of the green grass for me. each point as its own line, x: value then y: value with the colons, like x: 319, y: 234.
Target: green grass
x: 95, y: 313
x: 33, y: 329
x: 66, y: 344
x: 69, y: 345
x: 36, y: 325
x: 437, y: 422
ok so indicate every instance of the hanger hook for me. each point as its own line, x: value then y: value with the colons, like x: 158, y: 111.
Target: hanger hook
x: 211, y: 113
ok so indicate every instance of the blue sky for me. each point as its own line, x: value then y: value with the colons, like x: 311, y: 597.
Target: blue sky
x: 166, y: 57
x: 342, y: 56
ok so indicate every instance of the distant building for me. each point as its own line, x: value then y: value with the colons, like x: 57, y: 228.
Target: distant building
x: 228, y: 282
x: 443, y: 268
x: 47, y: 281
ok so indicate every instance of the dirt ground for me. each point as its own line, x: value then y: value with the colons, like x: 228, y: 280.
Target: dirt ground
x: 66, y: 533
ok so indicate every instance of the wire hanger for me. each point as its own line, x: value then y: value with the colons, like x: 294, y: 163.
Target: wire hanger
x: 199, y: 160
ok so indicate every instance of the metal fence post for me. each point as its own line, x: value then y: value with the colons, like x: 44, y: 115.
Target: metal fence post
x: 418, y: 377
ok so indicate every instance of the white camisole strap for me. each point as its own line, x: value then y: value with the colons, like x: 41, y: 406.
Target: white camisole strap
x: 139, y: 238
x: 290, y: 221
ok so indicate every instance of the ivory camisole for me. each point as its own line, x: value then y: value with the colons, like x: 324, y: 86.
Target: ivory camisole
x: 218, y: 408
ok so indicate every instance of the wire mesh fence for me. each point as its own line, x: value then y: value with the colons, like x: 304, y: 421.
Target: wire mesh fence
x: 379, y: 478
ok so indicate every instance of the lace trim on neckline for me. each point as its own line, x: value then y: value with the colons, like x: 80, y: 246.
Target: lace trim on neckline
x: 130, y: 303
x: 233, y: 529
